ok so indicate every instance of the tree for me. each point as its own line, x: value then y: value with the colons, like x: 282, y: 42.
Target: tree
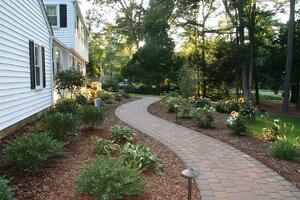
x: 130, y: 18
x: 154, y: 63
x: 289, y: 59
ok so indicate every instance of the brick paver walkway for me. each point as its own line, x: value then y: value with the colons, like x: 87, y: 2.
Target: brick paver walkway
x: 226, y: 173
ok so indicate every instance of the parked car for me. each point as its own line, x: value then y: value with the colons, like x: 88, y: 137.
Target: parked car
x: 125, y: 84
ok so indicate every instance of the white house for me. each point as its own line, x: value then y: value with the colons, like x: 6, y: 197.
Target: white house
x: 25, y: 61
x: 70, y: 49
x: 37, y: 39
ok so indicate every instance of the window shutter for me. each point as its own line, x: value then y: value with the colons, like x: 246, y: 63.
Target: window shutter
x: 43, y: 67
x: 63, y: 15
x: 31, y: 62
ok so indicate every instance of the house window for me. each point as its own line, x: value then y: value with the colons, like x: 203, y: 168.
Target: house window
x: 52, y: 13
x: 38, y: 65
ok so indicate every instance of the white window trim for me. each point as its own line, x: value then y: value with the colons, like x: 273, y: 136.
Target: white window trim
x: 40, y: 65
x: 57, y: 15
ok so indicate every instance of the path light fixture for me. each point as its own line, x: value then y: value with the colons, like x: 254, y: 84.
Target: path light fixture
x: 190, y: 174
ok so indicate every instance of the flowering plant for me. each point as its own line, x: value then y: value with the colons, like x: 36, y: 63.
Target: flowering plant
x: 276, y: 128
x: 236, y: 122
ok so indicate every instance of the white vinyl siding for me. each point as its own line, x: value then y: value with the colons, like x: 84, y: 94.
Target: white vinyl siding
x: 21, y: 21
x: 68, y: 36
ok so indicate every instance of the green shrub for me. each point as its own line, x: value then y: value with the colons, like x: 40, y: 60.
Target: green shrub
x: 121, y: 133
x: 236, y: 123
x: 71, y: 80
x: 203, y: 117
x: 220, y: 107
x: 66, y: 105
x: 139, y: 156
x: 276, y: 128
x: 125, y: 95
x: 6, y: 192
x: 108, y: 178
x: 32, y: 149
x: 81, y: 100
x: 118, y: 97
x: 202, y: 103
x: 111, y: 84
x: 171, y: 102
x: 60, y: 124
x: 184, y: 109
x: 103, y: 146
x: 91, y: 115
x: 285, y: 148
x: 106, y: 97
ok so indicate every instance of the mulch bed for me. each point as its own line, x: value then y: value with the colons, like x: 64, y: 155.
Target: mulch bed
x: 56, y: 180
x: 252, y: 146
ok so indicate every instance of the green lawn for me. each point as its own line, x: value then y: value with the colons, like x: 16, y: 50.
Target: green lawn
x: 270, y: 97
x: 255, y: 129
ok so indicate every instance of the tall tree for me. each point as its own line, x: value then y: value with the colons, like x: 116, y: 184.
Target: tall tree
x: 289, y: 59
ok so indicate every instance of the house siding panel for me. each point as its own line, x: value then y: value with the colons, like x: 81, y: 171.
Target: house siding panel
x: 21, y: 21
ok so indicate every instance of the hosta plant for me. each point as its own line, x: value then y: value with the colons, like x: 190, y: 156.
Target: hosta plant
x: 140, y: 156
x: 103, y: 146
x: 121, y: 134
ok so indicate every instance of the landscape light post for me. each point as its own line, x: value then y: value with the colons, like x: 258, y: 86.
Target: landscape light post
x: 190, y: 174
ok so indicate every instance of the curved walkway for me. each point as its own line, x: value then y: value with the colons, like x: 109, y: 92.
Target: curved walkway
x: 226, y: 173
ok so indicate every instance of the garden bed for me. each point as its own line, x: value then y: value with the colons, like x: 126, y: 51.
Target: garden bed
x: 56, y: 179
x: 252, y: 146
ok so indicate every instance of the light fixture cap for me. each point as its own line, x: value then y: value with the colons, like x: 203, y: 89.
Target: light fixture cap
x: 190, y: 173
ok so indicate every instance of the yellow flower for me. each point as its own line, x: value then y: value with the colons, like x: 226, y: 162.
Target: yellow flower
x: 241, y: 100
x: 234, y: 114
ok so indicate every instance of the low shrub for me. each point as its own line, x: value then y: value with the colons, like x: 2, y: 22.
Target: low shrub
x: 32, y: 149
x: 66, y: 105
x: 125, y: 95
x: 6, y: 192
x: 236, y: 123
x: 111, y: 84
x: 184, y: 109
x: 121, y: 134
x: 81, y: 100
x: 285, y: 148
x: 106, y: 97
x: 91, y: 115
x: 202, y: 103
x: 118, y: 97
x: 171, y: 102
x: 108, y: 178
x: 203, y: 117
x: 220, y: 107
x: 103, y: 146
x: 140, y: 156
x: 60, y: 124
x: 276, y: 128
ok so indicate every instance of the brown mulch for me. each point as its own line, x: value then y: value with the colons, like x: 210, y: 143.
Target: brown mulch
x: 252, y: 146
x: 56, y: 180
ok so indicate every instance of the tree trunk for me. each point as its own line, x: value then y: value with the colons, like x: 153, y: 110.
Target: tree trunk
x: 288, y: 66
x: 298, y: 102
x: 256, y: 86
x: 252, y: 47
x: 245, y: 85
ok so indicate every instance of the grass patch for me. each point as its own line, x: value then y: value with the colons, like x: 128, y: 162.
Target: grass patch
x: 270, y: 96
x: 255, y: 129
